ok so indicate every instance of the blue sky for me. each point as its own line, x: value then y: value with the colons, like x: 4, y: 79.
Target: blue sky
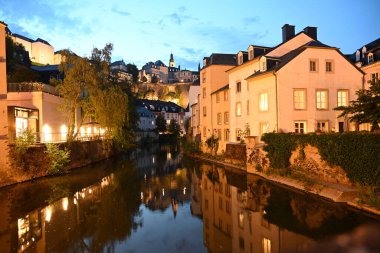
x: 147, y: 30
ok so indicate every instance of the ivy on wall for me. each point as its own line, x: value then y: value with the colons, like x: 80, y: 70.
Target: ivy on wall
x: 358, y: 153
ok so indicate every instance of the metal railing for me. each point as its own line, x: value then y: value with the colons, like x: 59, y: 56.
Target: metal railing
x: 32, y: 87
x: 41, y: 137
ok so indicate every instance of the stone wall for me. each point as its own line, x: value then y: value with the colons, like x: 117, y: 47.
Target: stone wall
x: 236, y: 153
x: 36, y: 161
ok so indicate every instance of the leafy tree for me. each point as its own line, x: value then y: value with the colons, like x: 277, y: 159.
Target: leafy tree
x: 366, y: 109
x: 174, y: 128
x: 144, y: 79
x: 161, y: 123
x: 213, y: 144
x: 133, y: 70
x: 58, y: 158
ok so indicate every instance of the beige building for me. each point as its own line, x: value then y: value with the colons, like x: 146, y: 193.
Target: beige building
x: 213, y: 81
x: 40, y: 51
x: 293, y: 87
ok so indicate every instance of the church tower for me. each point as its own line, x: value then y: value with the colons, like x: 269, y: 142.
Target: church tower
x: 171, y: 62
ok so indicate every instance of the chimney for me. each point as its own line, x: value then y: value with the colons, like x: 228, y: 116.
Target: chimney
x: 287, y: 32
x: 311, y: 31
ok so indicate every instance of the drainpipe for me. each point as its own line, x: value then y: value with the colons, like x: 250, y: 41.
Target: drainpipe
x: 211, y: 114
x: 275, y: 76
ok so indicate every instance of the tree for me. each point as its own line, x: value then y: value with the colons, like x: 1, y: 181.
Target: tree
x: 174, y: 128
x: 154, y: 79
x: 366, y: 108
x: 161, y: 123
x: 133, y: 70
x: 213, y: 144
x: 144, y: 79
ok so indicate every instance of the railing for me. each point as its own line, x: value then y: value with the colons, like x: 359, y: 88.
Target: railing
x: 41, y: 137
x: 31, y: 87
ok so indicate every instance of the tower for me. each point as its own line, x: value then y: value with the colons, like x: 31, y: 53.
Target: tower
x: 171, y: 62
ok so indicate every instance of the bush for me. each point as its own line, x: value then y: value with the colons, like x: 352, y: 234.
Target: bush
x: 356, y: 152
x: 58, y: 158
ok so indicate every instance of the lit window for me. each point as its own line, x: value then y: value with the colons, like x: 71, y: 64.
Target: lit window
x: 238, y: 87
x: 238, y: 109
x: 267, y: 245
x: 322, y: 99
x: 264, y: 127
x: 374, y: 76
x: 204, y: 111
x: 263, y: 102
x: 300, y: 127
x: 342, y: 97
x: 313, y: 65
x: 299, y: 97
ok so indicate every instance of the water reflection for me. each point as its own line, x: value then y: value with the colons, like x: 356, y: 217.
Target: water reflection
x: 156, y: 202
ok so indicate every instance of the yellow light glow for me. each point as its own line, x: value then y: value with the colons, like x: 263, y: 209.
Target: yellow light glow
x: 90, y: 191
x: 48, y: 213
x: 65, y: 203
x: 82, y: 132
x: 75, y: 201
x: 168, y: 156
x: 46, y: 131
x: 88, y: 131
x: 64, y: 132
x: 83, y: 195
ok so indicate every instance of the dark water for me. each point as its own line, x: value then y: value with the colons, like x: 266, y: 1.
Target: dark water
x: 157, y: 201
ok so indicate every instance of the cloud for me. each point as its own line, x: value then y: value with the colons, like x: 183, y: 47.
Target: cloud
x: 175, y: 18
x: 251, y: 20
x: 123, y: 13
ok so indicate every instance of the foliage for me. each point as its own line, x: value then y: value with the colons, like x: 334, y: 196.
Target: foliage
x: 190, y: 146
x: 212, y: 143
x: 355, y: 152
x: 366, y: 109
x: 58, y: 158
x: 24, y: 140
x: 161, y: 124
x: 144, y: 79
x: 155, y: 79
x: 174, y: 128
x: 133, y: 70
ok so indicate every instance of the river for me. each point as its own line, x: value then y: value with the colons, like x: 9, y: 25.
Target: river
x: 156, y: 200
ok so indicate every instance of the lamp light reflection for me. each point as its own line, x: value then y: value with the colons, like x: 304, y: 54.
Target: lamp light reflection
x: 65, y: 203
x: 48, y: 213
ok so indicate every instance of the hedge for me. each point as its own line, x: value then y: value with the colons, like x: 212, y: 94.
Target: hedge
x: 358, y: 153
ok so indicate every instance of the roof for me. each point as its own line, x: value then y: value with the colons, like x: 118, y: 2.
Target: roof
x: 117, y: 63
x: 373, y: 45
x: 159, y: 63
x: 221, y: 59
x: 2, y: 22
x: 45, y: 68
x: 143, y: 112
x: 42, y: 41
x: 159, y: 106
x: 225, y: 87
x: 22, y: 37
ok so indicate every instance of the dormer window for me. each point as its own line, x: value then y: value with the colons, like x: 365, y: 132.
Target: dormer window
x: 370, y: 57
x: 264, y: 66
x: 357, y: 56
x: 204, y: 62
x: 250, y: 54
x: 240, y: 59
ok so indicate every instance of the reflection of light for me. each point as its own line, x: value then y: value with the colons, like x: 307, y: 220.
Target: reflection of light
x: 142, y: 195
x: 90, y: 191
x: 163, y: 192
x: 168, y: 156
x: 75, y: 201
x: 65, y: 203
x: 264, y: 212
x: 48, y: 213
x: 102, y: 131
x: 88, y: 130
x: 153, y: 159
x: 82, y: 132
x: 33, y: 239
x: 83, y: 195
x: 184, y: 190
x: 145, y: 177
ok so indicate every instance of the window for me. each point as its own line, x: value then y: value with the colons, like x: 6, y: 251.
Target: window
x: 219, y: 118
x: 264, y: 127
x: 217, y: 97
x: 238, y: 133
x: 228, y: 190
x: 313, y: 66
x: 220, y: 134
x: 374, y: 76
x: 241, y: 220
x: 204, y: 93
x: 267, y: 245
x: 322, y: 99
x: 238, y: 87
x: 329, y: 66
x: 342, y: 97
x: 300, y: 127
x: 299, y: 98
x: 203, y: 77
x: 323, y: 125
x: 226, y: 118
x: 370, y: 58
x: 225, y: 95
x: 204, y: 111
x: 241, y: 243
x: 240, y: 59
x: 238, y: 109
x: 247, y: 107
x: 204, y: 132
x: 226, y: 134
x: 263, y: 104
x: 251, y: 54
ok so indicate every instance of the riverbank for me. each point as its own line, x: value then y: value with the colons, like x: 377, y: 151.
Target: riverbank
x: 327, y: 190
